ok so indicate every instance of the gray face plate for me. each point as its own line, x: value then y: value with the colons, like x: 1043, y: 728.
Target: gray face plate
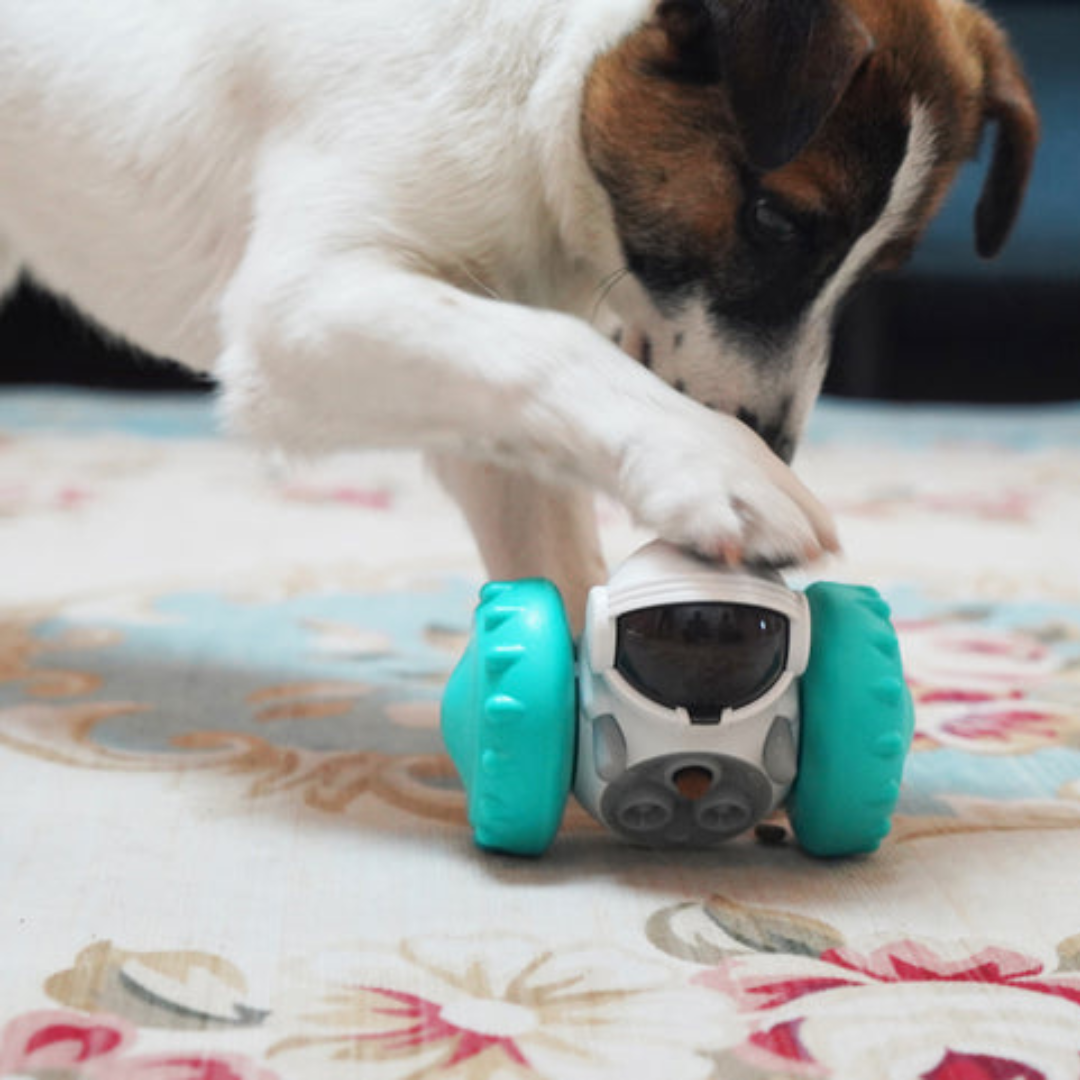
x: 646, y: 806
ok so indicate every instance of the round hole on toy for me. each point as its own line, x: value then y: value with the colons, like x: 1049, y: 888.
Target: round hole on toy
x: 692, y: 782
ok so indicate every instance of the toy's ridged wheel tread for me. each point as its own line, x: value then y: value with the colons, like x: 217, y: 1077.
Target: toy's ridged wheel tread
x: 857, y: 724
x: 508, y: 716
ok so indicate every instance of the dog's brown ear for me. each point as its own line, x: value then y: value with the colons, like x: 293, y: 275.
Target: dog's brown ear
x: 1006, y: 101
x: 785, y: 63
x: 692, y: 31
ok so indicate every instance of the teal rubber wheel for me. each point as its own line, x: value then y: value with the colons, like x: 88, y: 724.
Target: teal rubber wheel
x: 509, y: 716
x: 857, y: 724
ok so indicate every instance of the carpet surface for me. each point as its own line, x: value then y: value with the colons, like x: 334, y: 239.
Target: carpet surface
x: 232, y: 847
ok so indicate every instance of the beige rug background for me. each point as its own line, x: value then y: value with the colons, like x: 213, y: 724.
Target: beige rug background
x: 231, y: 846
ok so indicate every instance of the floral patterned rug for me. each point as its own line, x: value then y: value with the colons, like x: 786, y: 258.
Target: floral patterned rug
x: 232, y: 848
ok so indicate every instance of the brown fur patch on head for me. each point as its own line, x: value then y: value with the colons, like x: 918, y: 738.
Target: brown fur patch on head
x: 952, y: 57
x: 668, y: 146
x: 846, y: 169
x: 662, y: 132
x: 665, y: 150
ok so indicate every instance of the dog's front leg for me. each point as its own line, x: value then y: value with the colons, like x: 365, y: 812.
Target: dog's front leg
x: 349, y: 350
x: 526, y: 527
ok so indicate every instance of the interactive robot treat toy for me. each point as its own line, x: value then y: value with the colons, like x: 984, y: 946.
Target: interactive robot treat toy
x: 701, y: 698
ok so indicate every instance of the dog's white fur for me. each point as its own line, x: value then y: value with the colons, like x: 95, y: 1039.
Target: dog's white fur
x: 372, y: 220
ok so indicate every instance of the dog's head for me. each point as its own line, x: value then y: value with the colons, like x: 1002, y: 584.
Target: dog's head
x: 760, y: 156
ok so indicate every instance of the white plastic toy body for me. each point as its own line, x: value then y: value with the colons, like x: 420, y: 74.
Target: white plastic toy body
x: 688, y: 725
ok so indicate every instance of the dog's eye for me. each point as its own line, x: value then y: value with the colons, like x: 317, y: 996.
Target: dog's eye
x: 771, y: 226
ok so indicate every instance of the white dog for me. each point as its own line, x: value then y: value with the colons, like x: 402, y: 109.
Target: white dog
x: 397, y: 222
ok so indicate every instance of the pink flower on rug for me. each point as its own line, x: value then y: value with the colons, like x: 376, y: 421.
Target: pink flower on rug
x: 1008, y: 726
x: 980, y: 1067
x: 964, y: 658
x: 75, y: 1046
x: 906, y: 1010
x: 1008, y: 504
x: 499, y: 1006
x: 987, y: 689
x: 414, y: 1022
x: 361, y: 498
x: 71, y: 498
x: 18, y: 499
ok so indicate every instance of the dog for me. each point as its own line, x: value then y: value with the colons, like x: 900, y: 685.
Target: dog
x: 562, y: 246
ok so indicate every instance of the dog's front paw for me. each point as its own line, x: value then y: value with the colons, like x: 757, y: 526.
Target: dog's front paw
x: 714, y: 486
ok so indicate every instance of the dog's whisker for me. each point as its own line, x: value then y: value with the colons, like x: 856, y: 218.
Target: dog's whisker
x: 604, y: 289
x: 483, y: 286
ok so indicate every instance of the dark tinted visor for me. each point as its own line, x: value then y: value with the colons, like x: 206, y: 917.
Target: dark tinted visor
x: 702, y: 657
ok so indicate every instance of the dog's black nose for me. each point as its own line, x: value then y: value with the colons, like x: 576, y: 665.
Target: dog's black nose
x: 774, y: 432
